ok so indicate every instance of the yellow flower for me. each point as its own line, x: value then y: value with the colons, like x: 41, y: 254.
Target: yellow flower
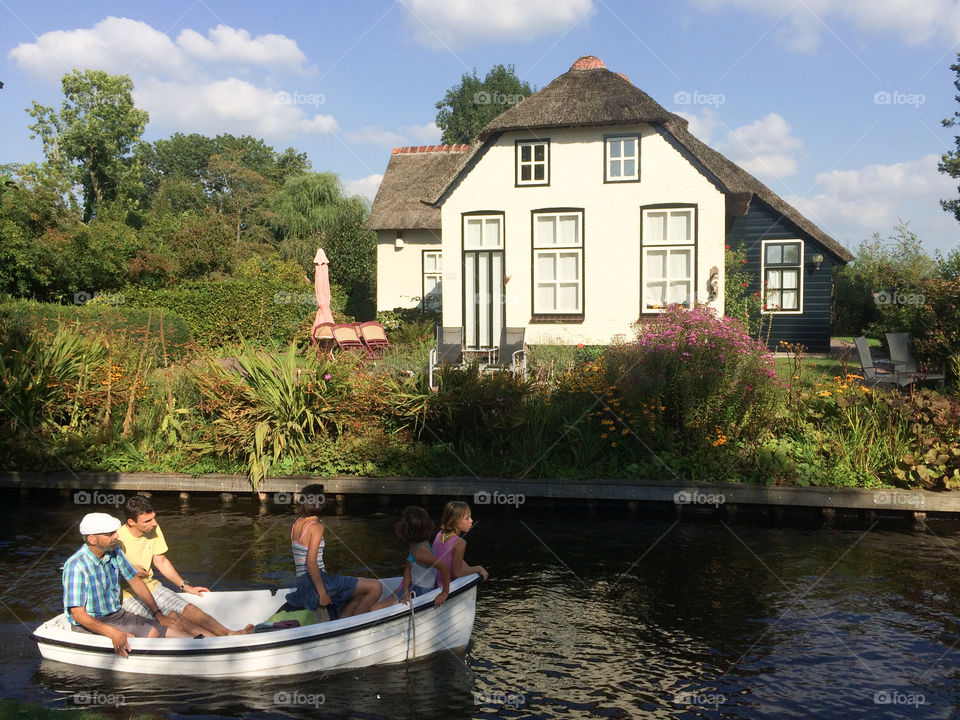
x: 825, y: 393
x: 613, y: 444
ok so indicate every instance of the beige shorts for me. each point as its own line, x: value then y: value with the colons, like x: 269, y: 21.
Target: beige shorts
x: 167, y: 600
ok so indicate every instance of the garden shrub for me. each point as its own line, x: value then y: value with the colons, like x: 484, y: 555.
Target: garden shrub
x: 691, y: 379
x: 22, y: 317
x: 223, y: 312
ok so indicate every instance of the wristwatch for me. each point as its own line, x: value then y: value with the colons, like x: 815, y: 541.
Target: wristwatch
x: 183, y: 584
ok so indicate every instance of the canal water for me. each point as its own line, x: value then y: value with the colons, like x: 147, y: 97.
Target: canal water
x: 609, y: 615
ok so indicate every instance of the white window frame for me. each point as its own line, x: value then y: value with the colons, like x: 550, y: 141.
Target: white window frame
x: 609, y: 159
x: 780, y: 267
x: 532, y: 162
x: 668, y: 246
x: 435, y: 275
x: 556, y: 249
x: 486, y: 221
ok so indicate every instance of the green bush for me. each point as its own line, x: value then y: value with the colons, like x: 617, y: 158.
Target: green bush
x: 262, y: 309
x: 20, y: 318
x: 694, y: 380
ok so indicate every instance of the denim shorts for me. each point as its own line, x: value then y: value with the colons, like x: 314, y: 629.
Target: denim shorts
x: 419, y: 591
x: 340, y: 588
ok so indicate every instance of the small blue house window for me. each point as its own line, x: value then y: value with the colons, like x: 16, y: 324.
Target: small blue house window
x: 782, y: 277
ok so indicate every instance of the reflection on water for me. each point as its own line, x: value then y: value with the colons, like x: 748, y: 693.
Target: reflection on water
x: 606, y: 618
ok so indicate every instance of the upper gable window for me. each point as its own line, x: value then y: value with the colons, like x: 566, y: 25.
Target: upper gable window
x: 622, y: 153
x: 533, y: 162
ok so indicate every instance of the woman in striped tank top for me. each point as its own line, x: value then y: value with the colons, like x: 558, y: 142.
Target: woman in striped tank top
x: 345, y: 596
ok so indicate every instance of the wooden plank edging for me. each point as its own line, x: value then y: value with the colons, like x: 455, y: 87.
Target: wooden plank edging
x: 495, y: 490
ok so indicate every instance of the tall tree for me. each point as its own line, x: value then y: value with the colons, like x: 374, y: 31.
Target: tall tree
x: 950, y: 161
x: 93, y: 135
x: 468, y: 107
x: 310, y: 211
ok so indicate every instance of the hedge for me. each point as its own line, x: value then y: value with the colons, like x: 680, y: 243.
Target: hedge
x: 223, y: 312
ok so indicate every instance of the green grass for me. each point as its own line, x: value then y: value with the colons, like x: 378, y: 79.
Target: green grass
x: 812, y: 370
x: 14, y: 710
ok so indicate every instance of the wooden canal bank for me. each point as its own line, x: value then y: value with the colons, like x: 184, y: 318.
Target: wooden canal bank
x: 727, y: 499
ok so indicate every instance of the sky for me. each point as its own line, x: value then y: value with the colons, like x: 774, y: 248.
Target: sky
x: 835, y: 104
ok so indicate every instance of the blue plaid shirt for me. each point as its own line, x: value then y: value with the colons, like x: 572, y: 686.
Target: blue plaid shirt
x: 94, y: 584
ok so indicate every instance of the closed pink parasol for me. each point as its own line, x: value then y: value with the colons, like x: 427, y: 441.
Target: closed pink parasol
x: 321, y: 286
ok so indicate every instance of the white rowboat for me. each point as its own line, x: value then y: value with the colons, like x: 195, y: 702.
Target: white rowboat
x: 391, y: 635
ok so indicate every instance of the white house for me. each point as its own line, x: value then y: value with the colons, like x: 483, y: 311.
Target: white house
x: 579, y: 210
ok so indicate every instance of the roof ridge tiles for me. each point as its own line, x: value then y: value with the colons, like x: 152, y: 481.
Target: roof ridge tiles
x: 410, y: 149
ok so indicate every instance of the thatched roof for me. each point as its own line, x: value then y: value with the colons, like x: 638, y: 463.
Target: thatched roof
x: 414, y: 178
x: 416, y: 184
x: 587, y: 94
x: 738, y: 182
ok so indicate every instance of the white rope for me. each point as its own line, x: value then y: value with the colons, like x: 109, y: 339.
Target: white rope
x: 412, y: 629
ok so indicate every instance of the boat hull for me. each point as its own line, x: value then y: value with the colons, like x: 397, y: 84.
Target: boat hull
x: 391, y: 635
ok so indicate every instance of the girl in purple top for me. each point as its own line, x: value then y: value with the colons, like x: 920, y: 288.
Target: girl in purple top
x: 449, y: 547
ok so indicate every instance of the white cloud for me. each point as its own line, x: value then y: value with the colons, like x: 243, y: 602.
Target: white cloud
x: 169, y: 78
x: 701, y: 127
x: 851, y: 205
x: 764, y: 147
x: 371, y: 135
x: 117, y: 45
x: 226, y: 44
x: 428, y: 134
x: 365, y: 187
x: 451, y: 24
x: 229, y: 105
x: 801, y: 26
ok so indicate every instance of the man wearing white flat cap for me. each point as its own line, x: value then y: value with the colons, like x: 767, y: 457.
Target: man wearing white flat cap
x: 91, y: 588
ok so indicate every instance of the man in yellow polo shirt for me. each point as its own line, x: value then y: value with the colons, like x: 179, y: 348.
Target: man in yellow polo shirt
x: 143, y: 544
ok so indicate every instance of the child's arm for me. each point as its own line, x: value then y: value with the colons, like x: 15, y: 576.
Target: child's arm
x: 425, y: 557
x: 460, y: 567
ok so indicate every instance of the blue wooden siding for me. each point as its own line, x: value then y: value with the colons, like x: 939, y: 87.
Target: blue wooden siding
x: 811, y: 328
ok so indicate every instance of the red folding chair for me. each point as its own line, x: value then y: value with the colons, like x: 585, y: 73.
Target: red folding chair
x: 323, y: 339
x: 347, y: 338
x: 374, y: 337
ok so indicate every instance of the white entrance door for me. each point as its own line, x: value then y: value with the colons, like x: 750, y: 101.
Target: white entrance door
x: 483, y: 296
